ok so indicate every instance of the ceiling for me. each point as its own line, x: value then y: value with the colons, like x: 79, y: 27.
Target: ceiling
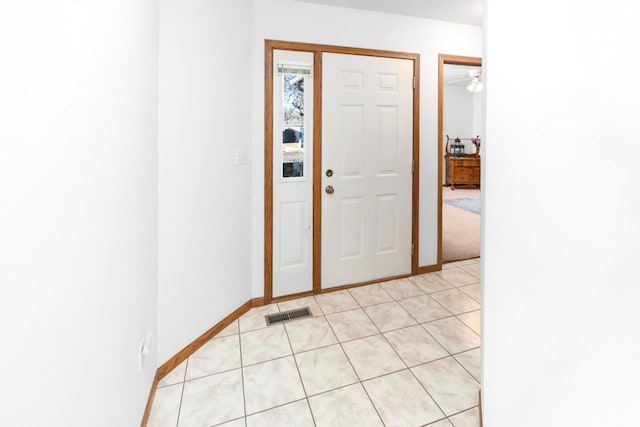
x: 459, y: 11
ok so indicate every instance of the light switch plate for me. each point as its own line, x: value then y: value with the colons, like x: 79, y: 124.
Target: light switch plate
x: 242, y: 157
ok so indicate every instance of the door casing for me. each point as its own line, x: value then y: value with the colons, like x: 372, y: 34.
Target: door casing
x: 318, y: 50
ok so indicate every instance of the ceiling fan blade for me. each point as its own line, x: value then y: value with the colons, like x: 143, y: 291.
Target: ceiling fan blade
x: 459, y: 80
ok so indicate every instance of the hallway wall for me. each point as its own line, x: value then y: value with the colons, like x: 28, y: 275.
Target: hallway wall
x: 78, y: 186
x: 561, y: 209
x: 204, y: 200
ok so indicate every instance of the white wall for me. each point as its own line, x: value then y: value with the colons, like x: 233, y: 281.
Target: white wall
x: 77, y: 210
x: 204, y: 202
x: 561, y: 209
x: 305, y: 22
x: 457, y: 112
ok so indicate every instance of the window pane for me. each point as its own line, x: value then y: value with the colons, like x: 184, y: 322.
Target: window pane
x: 293, y: 126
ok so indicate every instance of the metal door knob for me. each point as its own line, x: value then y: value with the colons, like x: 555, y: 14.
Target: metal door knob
x: 329, y: 189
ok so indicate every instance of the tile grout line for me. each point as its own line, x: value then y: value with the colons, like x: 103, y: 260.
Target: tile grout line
x: 353, y: 368
x: 184, y: 383
x: 407, y: 366
x: 244, y: 393
x: 295, y: 362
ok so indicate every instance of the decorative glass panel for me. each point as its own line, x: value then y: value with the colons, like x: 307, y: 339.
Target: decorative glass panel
x: 292, y: 125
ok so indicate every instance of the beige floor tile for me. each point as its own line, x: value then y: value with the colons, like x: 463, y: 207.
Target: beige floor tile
x: 370, y: 295
x: 456, y: 301
x: 301, y: 303
x: 474, y: 291
x: 233, y: 328
x: 175, y: 376
x: 346, y: 407
x: 465, y: 262
x: 264, y: 344
x: 296, y: 414
x: 401, y: 288
x: 430, y: 282
x: 472, y: 320
x: 308, y: 334
x: 334, y: 302
x: 453, y: 335
x: 415, y: 346
x: 325, y: 369
x: 424, y: 308
x: 217, y: 355
x: 472, y: 361
x: 254, y: 318
x: 442, y: 423
x: 401, y: 400
x: 470, y: 418
x: 458, y: 277
x: 453, y: 389
x: 473, y: 269
x: 352, y: 324
x: 271, y: 384
x: 372, y: 357
x: 212, y: 400
x: 389, y: 316
x: 240, y: 422
x: 165, y: 407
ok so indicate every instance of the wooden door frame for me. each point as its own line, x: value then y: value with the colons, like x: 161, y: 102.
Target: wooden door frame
x: 317, y: 50
x: 442, y: 60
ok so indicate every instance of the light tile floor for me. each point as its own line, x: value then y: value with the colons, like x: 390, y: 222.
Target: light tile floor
x: 399, y: 353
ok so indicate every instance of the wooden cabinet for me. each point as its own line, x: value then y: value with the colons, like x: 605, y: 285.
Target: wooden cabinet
x: 463, y: 171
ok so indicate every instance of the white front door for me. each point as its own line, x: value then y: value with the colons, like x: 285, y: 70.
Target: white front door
x: 367, y: 141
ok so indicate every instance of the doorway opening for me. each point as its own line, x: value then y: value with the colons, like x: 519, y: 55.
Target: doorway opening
x: 460, y: 132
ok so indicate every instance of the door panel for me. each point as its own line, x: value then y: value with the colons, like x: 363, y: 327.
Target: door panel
x: 292, y: 173
x: 367, y: 119
x: 292, y: 234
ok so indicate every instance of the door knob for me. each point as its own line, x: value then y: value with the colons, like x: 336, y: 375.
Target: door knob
x: 329, y: 189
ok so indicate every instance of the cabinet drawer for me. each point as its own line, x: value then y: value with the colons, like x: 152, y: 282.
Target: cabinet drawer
x: 464, y: 179
x: 466, y: 162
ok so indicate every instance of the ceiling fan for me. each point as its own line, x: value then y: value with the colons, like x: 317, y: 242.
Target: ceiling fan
x: 474, y: 78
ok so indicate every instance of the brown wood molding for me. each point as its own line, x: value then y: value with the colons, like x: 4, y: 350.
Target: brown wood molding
x: 191, y: 348
x: 183, y: 354
x: 152, y: 395
x: 268, y: 171
x: 317, y: 50
x: 357, y: 285
x: 429, y: 269
x: 442, y: 60
x: 293, y: 296
x: 480, y: 405
x: 415, y: 221
x: 317, y: 172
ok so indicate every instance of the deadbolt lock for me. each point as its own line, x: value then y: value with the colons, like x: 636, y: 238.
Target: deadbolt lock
x: 329, y: 173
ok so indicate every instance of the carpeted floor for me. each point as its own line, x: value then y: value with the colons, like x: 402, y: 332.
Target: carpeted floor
x: 460, y: 227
